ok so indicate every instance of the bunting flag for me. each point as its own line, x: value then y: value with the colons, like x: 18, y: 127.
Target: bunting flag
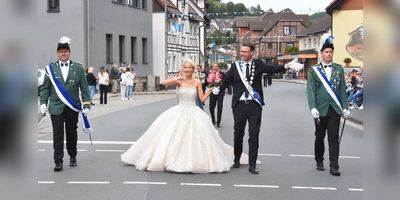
x: 176, y: 28
x: 212, y: 45
x: 249, y: 13
x: 257, y: 36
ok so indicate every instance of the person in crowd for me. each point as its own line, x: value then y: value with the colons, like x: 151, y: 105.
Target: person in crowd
x: 217, y: 96
x: 65, y: 85
x: 103, y: 81
x: 114, y: 79
x: 129, y: 82
x: 92, y: 81
x: 326, y: 93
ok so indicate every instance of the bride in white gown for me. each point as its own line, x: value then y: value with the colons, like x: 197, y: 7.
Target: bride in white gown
x: 182, y: 139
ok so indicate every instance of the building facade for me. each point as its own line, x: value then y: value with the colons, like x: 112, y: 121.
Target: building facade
x: 103, y: 32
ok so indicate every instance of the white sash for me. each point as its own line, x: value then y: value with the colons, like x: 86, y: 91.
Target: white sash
x: 328, y: 86
x: 253, y: 93
x: 67, y: 100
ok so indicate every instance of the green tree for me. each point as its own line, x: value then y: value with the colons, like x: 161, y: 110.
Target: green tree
x: 291, y: 49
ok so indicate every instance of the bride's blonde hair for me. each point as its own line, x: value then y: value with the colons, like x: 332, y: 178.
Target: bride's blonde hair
x: 191, y: 62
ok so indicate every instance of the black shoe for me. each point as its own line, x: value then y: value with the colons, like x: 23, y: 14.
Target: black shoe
x: 236, y: 164
x: 58, y: 167
x: 213, y: 121
x: 72, y: 162
x: 335, y: 171
x: 320, y: 166
x: 92, y: 104
x: 253, y: 169
x: 218, y: 125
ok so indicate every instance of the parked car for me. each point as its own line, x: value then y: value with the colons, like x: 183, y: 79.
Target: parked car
x: 41, y: 74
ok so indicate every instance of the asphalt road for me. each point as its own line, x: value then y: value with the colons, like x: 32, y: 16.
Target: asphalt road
x: 286, y: 152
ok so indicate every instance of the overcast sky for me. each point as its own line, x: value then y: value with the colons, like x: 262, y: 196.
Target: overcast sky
x: 297, y: 6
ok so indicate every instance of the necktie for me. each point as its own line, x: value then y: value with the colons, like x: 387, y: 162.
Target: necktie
x: 246, y: 93
x: 64, y: 64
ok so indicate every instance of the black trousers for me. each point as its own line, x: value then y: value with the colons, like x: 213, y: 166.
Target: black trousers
x: 329, y: 123
x: 70, y: 118
x: 216, y: 100
x: 103, y: 94
x: 242, y: 113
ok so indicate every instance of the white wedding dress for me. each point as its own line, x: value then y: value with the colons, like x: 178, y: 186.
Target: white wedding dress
x: 182, y: 139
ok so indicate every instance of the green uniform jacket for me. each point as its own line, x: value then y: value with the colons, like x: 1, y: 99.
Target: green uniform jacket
x: 317, y: 95
x: 76, y: 80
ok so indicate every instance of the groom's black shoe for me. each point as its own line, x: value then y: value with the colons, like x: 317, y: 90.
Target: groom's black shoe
x: 335, y: 171
x: 237, y: 163
x: 320, y: 166
x: 58, y: 167
x: 253, y: 169
x: 218, y: 125
x: 72, y: 162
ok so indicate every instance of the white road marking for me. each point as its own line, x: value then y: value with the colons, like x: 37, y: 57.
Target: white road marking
x: 202, y: 184
x: 88, y: 142
x: 312, y: 156
x: 266, y: 154
x: 313, y: 188
x: 41, y: 149
x: 46, y: 182
x: 356, y: 189
x: 88, y: 182
x: 257, y: 186
x: 145, y: 183
x: 105, y: 150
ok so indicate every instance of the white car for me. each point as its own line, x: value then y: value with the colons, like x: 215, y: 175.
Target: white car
x: 40, y: 79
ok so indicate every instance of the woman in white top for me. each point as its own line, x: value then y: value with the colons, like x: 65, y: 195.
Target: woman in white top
x: 129, y: 83
x: 103, y: 81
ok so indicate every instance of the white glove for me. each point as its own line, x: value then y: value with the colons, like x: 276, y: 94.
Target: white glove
x: 315, y: 113
x: 43, y: 109
x: 346, y: 113
x: 85, y: 111
x: 295, y: 66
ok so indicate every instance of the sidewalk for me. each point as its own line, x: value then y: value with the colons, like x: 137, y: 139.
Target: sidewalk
x: 356, y: 115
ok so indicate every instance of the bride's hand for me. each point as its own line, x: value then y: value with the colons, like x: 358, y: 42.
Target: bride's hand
x: 208, y: 90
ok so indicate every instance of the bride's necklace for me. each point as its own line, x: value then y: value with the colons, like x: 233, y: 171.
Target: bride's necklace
x: 189, y: 82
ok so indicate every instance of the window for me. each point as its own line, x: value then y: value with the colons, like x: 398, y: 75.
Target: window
x: 315, y: 42
x: 309, y: 43
x: 305, y: 43
x: 144, y: 50
x: 269, y: 45
x: 121, y: 49
x: 289, y: 30
x: 174, y: 64
x: 118, y: 1
x: 134, y: 3
x: 133, y: 50
x: 289, y: 44
x: 109, y: 50
x: 53, y: 6
x: 144, y: 4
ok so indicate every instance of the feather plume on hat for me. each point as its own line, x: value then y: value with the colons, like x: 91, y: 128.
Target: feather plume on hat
x: 64, y: 43
x: 326, y: 42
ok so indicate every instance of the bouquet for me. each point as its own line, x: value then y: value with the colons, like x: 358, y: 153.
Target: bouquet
x: 214, y: 79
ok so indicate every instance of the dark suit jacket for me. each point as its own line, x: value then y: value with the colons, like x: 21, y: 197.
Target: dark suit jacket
x: 233, y: 78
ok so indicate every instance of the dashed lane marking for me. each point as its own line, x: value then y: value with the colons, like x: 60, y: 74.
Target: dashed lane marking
x: 46, y: 182
x: 313, y: 188
x: 312, y: 156
x: 257, y: 186
x: 201, y: 184
x: 356, y: 189
x: 88, y: 142
x: 105, y: 150
x: 89, y: 182
x: 266, y: 154
x: 145, y: 183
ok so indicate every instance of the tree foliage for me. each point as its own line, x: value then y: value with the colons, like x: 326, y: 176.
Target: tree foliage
x: 291, y: 49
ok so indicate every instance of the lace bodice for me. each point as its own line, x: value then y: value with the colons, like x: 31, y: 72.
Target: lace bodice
x: 187, y: 96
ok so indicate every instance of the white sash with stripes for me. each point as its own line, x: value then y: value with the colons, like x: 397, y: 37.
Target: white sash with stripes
x: 328, y: 86
x: 253, y: 93
x: 67, y: 100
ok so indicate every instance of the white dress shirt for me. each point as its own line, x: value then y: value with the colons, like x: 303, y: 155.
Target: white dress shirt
x: 244, y: 68
x: 328, y: 71
x: 64, y: 69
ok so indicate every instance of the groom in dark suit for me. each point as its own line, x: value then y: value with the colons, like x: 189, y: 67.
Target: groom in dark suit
x: 245, y: 77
